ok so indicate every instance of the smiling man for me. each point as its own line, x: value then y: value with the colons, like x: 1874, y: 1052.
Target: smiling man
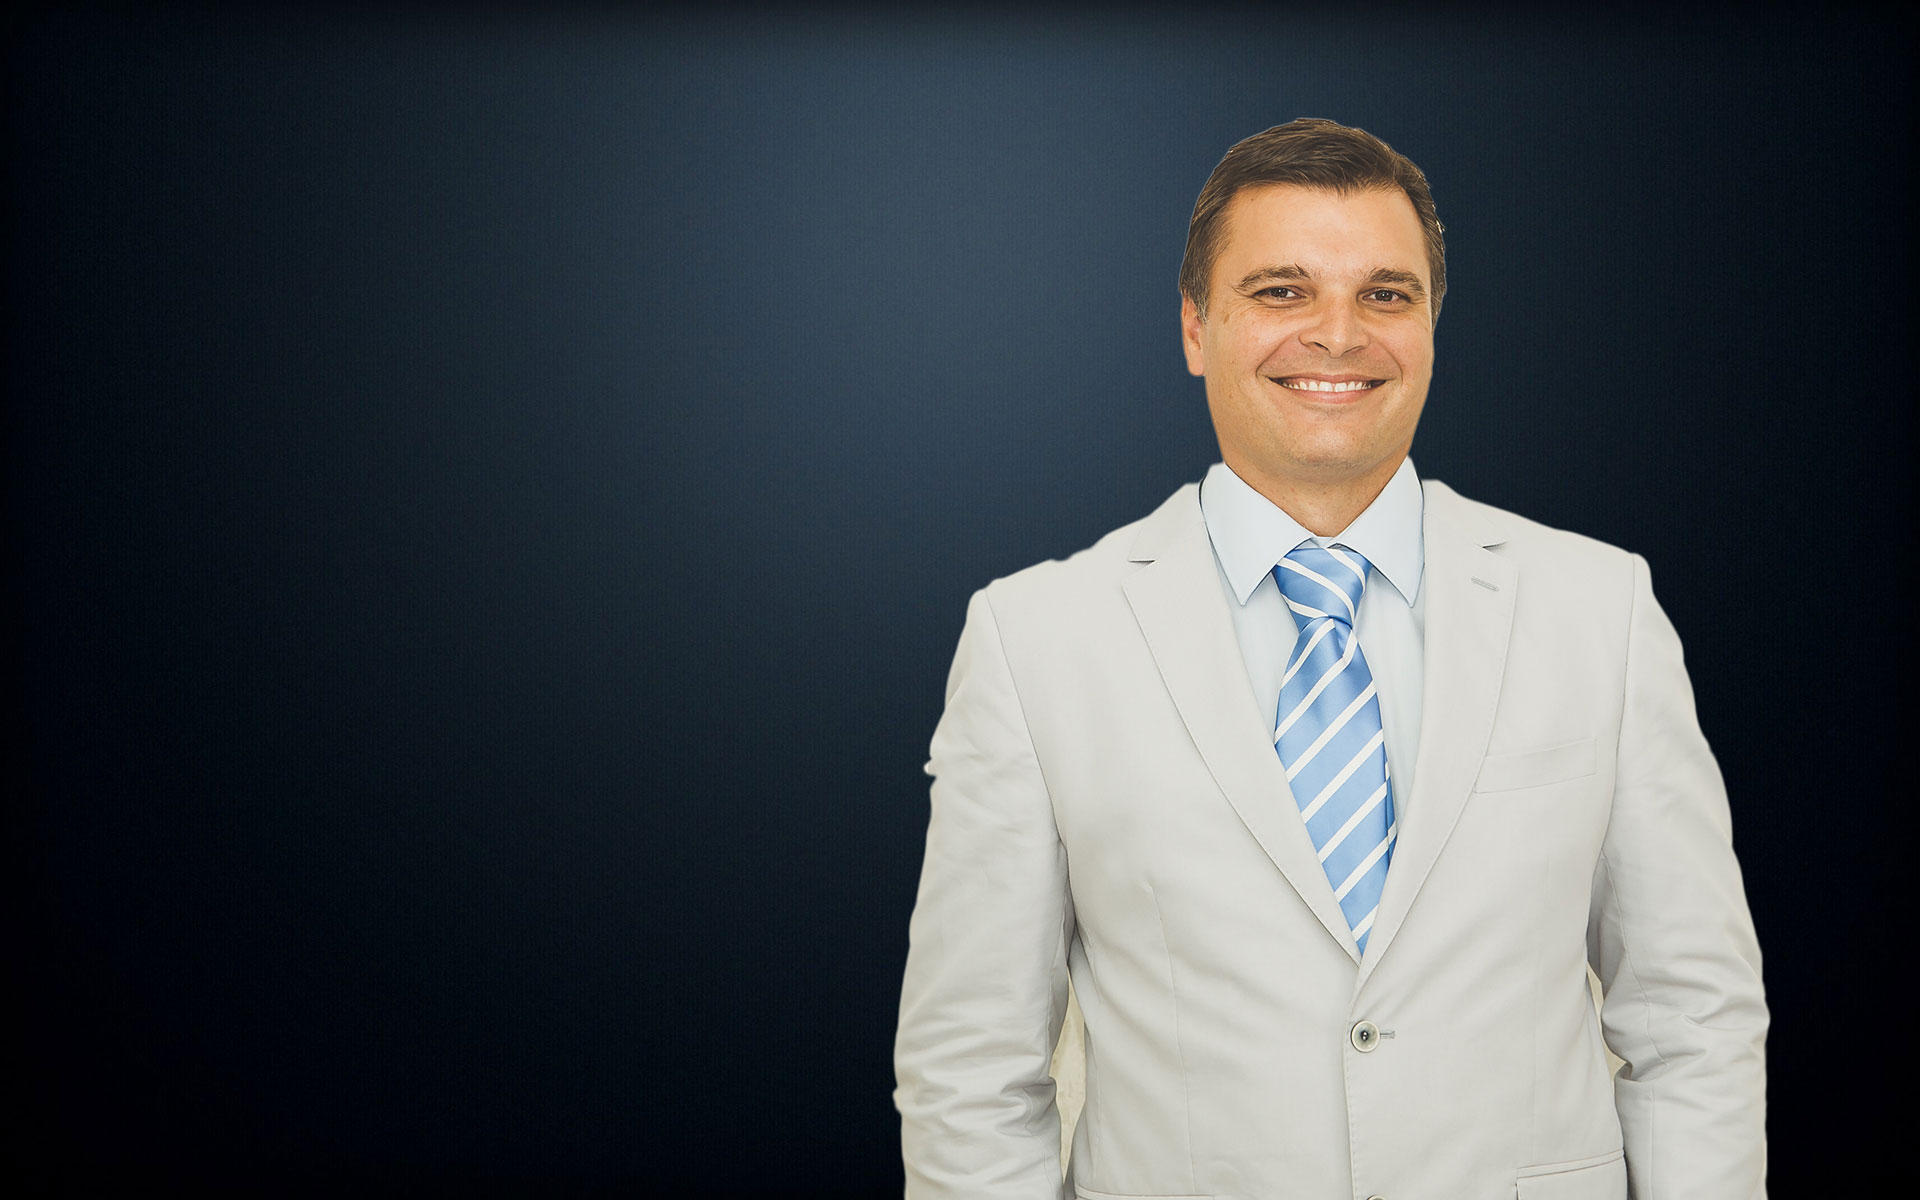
x: 1314, y: 330
x: 1326, y: 786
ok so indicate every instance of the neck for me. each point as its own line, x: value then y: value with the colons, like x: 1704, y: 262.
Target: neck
x: 1323, y: 507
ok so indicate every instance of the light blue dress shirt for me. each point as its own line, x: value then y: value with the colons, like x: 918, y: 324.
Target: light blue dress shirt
x: 1251, y: 535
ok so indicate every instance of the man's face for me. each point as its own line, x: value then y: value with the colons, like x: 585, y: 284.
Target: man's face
x: 1317, y: 345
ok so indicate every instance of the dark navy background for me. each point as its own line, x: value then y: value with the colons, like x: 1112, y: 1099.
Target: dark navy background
x: 492, y: 497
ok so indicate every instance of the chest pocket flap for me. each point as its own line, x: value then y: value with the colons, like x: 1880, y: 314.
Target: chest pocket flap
x: 1532, y: 768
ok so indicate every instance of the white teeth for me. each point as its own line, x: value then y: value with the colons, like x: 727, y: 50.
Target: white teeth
x: 1322, y: 385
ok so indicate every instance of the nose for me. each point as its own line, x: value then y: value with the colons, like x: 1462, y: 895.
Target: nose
x: 1337, y: 328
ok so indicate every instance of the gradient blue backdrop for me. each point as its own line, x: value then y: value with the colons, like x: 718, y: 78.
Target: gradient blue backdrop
x: 492, y: 496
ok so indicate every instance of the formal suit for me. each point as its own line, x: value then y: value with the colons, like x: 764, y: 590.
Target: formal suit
x: 1107, y: 802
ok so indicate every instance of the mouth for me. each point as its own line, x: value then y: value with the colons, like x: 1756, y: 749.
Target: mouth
x: 1325, y: 385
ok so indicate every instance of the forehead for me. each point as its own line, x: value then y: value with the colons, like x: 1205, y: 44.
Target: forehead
x: 1322, y: 230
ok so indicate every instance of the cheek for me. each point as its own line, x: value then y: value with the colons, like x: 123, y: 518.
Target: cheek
x: 1414, y: 356
x: 1253, y: 342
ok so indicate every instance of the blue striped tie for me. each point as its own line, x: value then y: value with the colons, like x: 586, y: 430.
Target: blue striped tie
x: 1327, y: 730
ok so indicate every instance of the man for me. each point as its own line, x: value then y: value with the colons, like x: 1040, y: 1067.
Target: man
x: 1325, y: 785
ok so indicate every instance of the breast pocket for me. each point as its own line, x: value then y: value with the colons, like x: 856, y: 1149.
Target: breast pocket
x: 1534, y: 768
x: 1600, y: 1178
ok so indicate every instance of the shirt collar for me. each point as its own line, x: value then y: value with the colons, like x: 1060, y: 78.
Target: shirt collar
x: 1251, y: 533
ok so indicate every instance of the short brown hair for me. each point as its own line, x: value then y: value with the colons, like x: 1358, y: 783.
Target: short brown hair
x: 1308, y: 152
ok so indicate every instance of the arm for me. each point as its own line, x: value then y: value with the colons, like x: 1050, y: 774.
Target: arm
x: 986, y: 978
x: 1670, y: 937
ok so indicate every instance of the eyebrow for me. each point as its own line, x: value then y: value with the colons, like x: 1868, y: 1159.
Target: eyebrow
x: 1284, y: 274
x: 1404, y: 279
x: 1293, y: 272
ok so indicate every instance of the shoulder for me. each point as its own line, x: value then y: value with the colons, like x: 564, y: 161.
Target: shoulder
x: 1099, y: 572
x: 1576, y: 576
x: 1513, y: 536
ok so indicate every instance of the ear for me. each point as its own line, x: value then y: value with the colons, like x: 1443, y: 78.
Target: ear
x: 1190, y: 337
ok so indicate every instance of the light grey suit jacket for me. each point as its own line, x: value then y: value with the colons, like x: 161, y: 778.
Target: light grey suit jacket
x: 1107, y: 802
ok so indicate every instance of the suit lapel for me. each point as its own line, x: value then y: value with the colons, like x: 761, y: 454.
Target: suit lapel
x: 1469, y: 617
x: 1182, y: 611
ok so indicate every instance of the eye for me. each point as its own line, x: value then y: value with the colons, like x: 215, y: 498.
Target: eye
x: 1386, y: 296
x: 1279, y: 291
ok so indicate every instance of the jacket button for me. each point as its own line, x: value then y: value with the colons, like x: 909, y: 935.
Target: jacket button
x: 1365, y: 1036
x: 1376, y: 1197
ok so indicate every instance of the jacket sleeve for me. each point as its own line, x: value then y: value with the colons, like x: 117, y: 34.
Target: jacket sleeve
x: 1673, y: 945
x: 986, y: 978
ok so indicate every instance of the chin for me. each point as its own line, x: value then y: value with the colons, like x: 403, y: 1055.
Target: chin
x: 1333, y: 467
x: 1328, y: 458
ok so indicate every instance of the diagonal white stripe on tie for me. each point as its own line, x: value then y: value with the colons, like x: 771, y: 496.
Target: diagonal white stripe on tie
x: 1340, y: 834
x: 1353, y: 562
x: 1326, y: 583
x: 1327, y: 734
x: 1306, y: 610
x: 1313, y: 693
x: 1333, y: 785
x: 1360, y: 872
x: 1366, y: 923
x: 1300, y: 656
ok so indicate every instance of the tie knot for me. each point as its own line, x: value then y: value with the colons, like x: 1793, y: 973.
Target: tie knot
x: 1321, y: 582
